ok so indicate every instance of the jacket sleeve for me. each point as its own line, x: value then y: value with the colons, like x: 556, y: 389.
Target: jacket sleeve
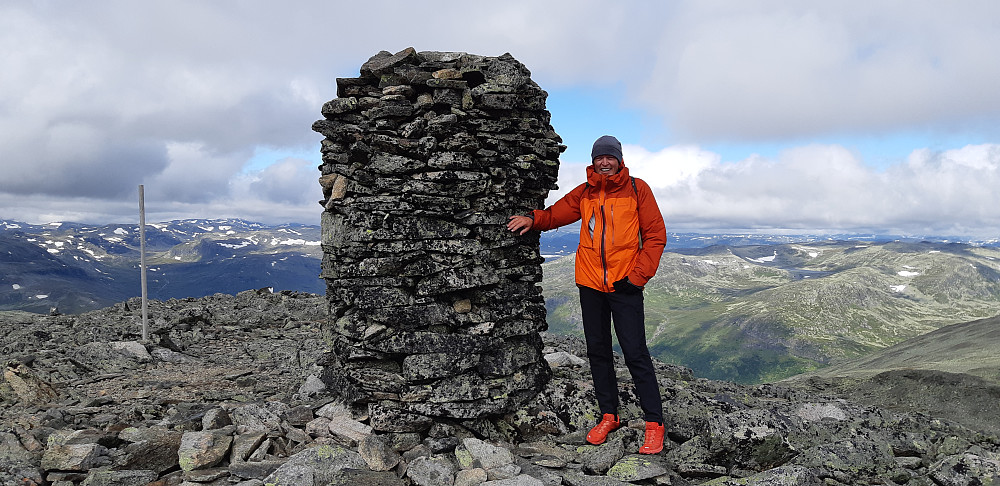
x: 565, y: 211
x: 654, y: 235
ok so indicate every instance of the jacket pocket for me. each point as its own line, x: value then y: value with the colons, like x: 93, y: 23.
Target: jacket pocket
x: 624, y: 224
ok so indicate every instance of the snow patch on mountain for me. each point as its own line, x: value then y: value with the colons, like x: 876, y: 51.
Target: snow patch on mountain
x: 766, y: 259
x: 294, y: 241
x: 236, y: 246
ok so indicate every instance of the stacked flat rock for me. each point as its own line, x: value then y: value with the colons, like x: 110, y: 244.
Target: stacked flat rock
x: 435, y: 308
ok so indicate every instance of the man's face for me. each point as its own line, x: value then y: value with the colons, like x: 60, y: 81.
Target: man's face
x: 606, y: 164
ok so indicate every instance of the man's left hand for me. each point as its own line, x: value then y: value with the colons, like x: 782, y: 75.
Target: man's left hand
x: 626, y: 287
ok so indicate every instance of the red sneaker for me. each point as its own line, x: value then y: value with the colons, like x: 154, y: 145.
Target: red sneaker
x: 654, y: 439
x: 600, y: 431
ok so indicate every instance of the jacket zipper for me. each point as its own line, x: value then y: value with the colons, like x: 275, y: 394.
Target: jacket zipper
x: 604, y: 260
x: 604, y: 226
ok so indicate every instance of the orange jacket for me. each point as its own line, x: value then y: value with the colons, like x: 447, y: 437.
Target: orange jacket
x: 615, y: 213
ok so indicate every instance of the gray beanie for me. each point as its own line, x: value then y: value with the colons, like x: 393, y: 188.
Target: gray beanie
x: 607, y: 145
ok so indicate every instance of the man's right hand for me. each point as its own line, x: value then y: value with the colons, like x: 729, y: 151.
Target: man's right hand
x: 520, y: 224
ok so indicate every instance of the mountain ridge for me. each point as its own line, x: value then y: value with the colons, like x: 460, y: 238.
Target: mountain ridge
x: 756, y: 311
x: 75, y: 268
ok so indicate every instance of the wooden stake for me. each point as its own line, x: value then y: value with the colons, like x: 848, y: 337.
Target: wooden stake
x: 142, y: 265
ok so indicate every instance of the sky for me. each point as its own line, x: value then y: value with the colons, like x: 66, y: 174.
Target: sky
x: 756, y: 116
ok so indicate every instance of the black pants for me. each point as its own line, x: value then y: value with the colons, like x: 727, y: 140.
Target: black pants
x: 626, y: 311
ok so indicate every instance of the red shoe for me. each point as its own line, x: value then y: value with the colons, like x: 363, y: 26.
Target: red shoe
x: 600, y: 431
x: 654, y: 439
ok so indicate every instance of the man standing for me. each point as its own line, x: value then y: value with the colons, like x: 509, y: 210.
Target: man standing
x: 621, y: 239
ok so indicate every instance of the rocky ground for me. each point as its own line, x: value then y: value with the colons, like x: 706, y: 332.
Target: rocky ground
x: 224, y: 393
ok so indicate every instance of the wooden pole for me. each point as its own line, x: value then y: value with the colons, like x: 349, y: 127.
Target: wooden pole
x: 142, y: 264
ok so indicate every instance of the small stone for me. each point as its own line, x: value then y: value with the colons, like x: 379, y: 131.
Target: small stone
x: 470, y: 477
x: 447, y: 74
x: 463, y: 306
x: 377, y: 454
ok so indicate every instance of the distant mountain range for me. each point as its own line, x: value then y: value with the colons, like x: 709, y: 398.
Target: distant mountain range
x: 76, y: 268
x: 761, y: 313
x: 745, y: 308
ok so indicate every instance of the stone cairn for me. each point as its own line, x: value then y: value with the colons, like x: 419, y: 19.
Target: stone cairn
x: 435, y: 311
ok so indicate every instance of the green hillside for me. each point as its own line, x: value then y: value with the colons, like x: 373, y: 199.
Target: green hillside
x: 762, y: 313
x: 969, y: 348
x: 952, y: 373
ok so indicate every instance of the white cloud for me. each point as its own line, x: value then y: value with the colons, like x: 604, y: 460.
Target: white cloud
x: 787, y: 69
x: 827, y: 187
x: 178, y: 95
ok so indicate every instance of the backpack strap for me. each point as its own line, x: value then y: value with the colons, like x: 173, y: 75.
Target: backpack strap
x: 636, y: 191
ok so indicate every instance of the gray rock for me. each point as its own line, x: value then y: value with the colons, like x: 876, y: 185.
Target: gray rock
x: 779, y: 476
x: 119, y: 478
x: 206, y: 475
x: 483, y: 454
x: 199, y: 450
x: 758, y: 438
x: 132, y: 349
x: 312, y: 386
x: 12, y: 452
x: 700, y: 470
x: 848, y: 459
x: 598, y: 459
x: 215, y: 418
x: 250, y: 482
x: 112, y: 357
x: 316, y: 465
x: 812, y: 412
x: 27, y: 386
x: 431, y: 471
x: 150, y: 449
x: 73, y: 451
x: 377, y: 453
x: 254, y: 470
x: 349, y: 429
x: 563, y: 358
x: 470, y: 477
x: 634, y: 467
x: 358, y: 477
x: 318, y: 427
x: 246, y: 443
x: 967, y: 470
x: 522, y: 480
x: 259, y: 416
x: 577, y: 479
